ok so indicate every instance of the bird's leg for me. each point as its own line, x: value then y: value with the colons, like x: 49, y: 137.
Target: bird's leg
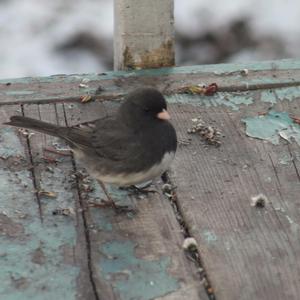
x: 110, y: 202
x: 137, y: 190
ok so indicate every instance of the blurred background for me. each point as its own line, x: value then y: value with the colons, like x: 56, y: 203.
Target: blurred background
x: 42, y: 37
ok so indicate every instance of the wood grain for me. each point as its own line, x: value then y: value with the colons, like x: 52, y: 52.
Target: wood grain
x: 153, y: 233
x: 114, y: 85
x: 54, y: 173
x: 248, y: 253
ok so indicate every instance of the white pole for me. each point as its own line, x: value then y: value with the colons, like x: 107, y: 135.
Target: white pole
x: 143, y: 34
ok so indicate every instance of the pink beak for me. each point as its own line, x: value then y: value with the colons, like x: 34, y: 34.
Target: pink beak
x: 163, y: 115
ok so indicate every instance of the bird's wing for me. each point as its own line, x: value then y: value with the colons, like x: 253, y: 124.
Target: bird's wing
x: 81, y: 135
x: 113, y: 140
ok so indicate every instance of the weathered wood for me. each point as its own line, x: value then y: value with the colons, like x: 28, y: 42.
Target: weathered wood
x: 63, y: 88
x: 53, y: 173
x: 248, y: 252
x: 135, y: 256
x: 92, y: 253
x: 143, y: 34
x: 40, y: 258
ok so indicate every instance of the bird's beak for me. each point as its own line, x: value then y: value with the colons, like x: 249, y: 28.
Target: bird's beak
x: 163, y: 115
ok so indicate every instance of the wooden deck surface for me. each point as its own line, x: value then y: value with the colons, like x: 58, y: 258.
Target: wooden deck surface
x: 54, y: 246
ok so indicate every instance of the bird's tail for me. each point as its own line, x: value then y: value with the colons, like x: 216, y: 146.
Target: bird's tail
x: 37, y: 125
x: 75, y: 136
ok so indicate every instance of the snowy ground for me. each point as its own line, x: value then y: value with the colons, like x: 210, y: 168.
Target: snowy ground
x: 42, y: 37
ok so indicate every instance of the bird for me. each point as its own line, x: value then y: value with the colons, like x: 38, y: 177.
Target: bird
x: 132, y: 146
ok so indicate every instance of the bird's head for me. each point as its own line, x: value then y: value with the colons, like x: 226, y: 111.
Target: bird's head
x: 144, y: 104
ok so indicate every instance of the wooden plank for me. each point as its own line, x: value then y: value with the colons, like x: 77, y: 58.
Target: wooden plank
x: 143, y: 34
x: 63, y: 88
x: 62, y: 237
x: 247, y: 252
x: 38, y: 260
x: 135, y: 256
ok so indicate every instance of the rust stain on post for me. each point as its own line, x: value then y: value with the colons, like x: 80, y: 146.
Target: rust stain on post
x: 128, y: 59
x: 143, y: 34
x: 156, y: 58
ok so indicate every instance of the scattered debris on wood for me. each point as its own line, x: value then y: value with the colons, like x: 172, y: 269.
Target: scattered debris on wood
x: 59, y: 151
x: 259, y: 201
x: 185, y: 142
x: 100, y: 88
x: 26, y: 132
x: 47, y: 194
x: 210, y: 134
x: 244, y: 72
x: 262, y: 113
x: 83, y: 83
x: 86, y: 98
x: 49, y: 169
x: 68, y: 211
x: 20, y: 214
x: 49, y: 160
x: 169, y: 190
x: 190, y: 244
x: 199, y: 89
x: 295, y: 119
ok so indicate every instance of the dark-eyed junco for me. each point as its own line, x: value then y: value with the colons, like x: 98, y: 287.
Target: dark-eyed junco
x: 135, y: 145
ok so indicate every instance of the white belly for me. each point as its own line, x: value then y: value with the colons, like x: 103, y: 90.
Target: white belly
x: 135, y: 178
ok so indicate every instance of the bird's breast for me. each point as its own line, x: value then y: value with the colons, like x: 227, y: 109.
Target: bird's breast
x: 127, y: 179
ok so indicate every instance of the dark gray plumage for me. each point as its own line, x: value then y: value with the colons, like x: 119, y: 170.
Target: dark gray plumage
x: 135, y: 145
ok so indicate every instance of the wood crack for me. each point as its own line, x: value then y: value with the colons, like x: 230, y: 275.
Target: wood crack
x: 33, y: 175
x: 294, y: 164
x: 195, y: 254
x: 85, y: 224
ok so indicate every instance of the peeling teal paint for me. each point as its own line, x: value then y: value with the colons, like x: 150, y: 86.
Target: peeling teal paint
x: 130, y: 277
x: 209, y: 236
x: 230, y: 100
x: 290, y: 93
x: 219, y: 69
x: 272, y: 126
x: 268, y: 96
x: 236, y: 99
x: 135, y: 278
x: 10, y: 144
x: 20, y: 276
x: 19, y: 93
x: 280, y: 94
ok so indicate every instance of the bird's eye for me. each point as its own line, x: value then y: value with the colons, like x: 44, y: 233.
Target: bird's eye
x: 146, y: 109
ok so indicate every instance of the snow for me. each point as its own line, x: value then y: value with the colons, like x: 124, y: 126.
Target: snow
x: 32, y: 31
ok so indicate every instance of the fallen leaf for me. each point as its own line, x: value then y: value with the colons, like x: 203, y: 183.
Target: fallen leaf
x: 47, y: 194
x: 211, y: 89
x: 200, y: 89
x: 86, y: 98
x: 296, y: 119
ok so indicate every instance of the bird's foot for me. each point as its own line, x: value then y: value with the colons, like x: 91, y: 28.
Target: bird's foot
x: 111, y: 204
x: 133, y: 189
